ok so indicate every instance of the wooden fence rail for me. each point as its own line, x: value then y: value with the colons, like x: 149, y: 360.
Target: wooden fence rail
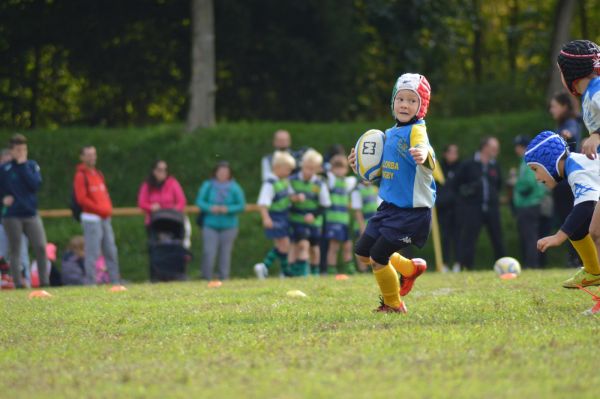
x: 191, y: 209
x: 126, y: 211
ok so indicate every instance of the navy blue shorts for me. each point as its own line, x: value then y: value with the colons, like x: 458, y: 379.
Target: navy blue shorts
x: 337, y: 231
x: 281, y: 226
x: 405, y: 225
x: 305, y: 232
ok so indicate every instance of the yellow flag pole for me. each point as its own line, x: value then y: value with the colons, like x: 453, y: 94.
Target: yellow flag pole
x: 438, y: 176
x: 437, y: 244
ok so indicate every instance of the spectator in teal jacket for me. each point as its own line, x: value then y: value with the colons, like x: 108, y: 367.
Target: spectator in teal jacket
x: 220, y: 200
x: 527, y: 196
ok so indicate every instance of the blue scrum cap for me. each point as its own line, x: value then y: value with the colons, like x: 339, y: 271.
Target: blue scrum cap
x: 545, y: 150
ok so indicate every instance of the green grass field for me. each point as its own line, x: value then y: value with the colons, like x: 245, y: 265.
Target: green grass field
x: 467, y: 335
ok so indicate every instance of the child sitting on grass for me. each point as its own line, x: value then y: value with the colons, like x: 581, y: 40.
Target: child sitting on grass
x: 73, y: 270
x: 274, y: 203
x: 408, y: 192
x: 548, y: 156
x: 310, y: 196
x: 337, y: 217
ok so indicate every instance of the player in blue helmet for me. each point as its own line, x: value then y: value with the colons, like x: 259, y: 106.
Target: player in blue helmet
x: 548, y: 156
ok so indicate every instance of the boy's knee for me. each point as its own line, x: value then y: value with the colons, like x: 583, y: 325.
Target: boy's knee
x: 376, y: 265
x: 379, y: 258
x: 282, y: 245
x: 595, y: 232
x: 364, y: 259
x: 362, y: 249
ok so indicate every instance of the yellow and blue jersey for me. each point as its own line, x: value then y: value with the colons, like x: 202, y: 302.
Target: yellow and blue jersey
x: 404, y: 183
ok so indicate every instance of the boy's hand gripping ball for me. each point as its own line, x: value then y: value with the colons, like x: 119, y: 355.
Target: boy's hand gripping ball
x: 369, y: 152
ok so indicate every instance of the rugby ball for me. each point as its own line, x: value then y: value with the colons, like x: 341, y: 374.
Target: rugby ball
x: 507, y: 266
x: 369, y: 152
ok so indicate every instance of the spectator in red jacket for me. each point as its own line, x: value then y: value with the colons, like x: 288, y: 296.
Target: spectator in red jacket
x: 92, y: 196
x: 160, y: 191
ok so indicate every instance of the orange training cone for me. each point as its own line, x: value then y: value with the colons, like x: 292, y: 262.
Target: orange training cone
x: 508, y: 276
x: 215, y: 284
x: 39, y: 294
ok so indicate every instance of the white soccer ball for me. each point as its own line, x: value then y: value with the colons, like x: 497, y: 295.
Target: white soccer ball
x: 507, y: 265
x: 369, y: 152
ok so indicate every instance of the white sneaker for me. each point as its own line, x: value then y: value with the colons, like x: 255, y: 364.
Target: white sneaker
x: 456, y: 268
x: 261, y: 271
x: 594, y: 310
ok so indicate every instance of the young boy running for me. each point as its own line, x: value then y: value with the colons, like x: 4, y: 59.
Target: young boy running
x: 310, y: 196
x: 579, y: 64
x: 548, y: 156
x: 408, y: 192
x: 274, y: 203
x: 337, y: 217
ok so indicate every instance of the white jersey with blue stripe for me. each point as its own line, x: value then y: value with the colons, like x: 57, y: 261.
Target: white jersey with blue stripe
x: 403, y: 182
x: 583, y: 175
x: 590, y: 104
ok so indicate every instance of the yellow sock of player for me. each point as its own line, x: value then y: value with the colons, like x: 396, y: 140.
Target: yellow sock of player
x: 403, y: 265
x: 588, y: 254
x: 387, y: 278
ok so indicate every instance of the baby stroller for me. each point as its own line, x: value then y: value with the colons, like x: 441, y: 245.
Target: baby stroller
x: 168, y: 257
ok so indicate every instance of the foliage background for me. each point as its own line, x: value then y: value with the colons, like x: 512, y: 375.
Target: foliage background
x: 116, y: 63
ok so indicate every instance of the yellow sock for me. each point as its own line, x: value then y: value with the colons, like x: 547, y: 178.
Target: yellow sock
x: 403, y: 265
x: 387, y: 278
x: 588, y: 254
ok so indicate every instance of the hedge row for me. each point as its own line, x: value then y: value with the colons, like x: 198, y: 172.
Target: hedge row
x: 125, y: 155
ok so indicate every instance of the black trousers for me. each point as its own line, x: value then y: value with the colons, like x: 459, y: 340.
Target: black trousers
x: 563, y: 205
x: 473, y: 218
x: 528, y: 224
x: 450, y: 231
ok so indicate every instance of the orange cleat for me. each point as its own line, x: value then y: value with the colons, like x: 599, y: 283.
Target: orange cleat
x: 383, y: 308
x: 406, y: 283
x: 594, y: 310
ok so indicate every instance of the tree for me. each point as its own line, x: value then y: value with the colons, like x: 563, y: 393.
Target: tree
x: 560, y: 34
x: 202, y: 83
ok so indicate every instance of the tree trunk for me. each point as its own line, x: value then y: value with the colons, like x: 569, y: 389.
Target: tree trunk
x: 512, y: 39
x: 202, y: 83
x: 583, y: 19
x: 477, y: 53
x: 35, y: 87
x: 560, y: 35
